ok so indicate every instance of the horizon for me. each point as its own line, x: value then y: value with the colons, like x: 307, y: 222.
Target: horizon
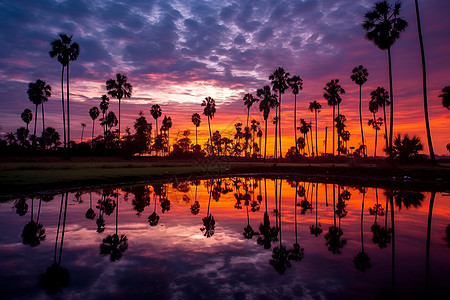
x: 175, y: 56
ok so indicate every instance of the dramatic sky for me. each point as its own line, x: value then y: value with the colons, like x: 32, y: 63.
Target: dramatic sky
x: 175, y: 53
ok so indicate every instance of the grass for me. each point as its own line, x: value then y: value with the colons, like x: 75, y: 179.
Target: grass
x: 52, y: 174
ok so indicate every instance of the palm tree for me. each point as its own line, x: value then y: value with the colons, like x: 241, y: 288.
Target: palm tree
x: 424, y: 82
x: 375, y: 123
x: 279, y: 80
x: 332, y: 94
x: 248, y: 102
x: 156, y: 111
x: 268, y: 101
x: 27, y: 116
x: 83, y: 125
x: 119, y: 89
x: 383, y: 27
x: 196, y: 120
x: 445, y: 97
x: 362, y: 260
x: 381, y: 97
x: 209, y: 111
x: 359, y: 76
x: 93, y: 113
x: 65, y: 51
x: 304, y: 128
x: 38, y: 93
x: 167, y: 124
x: 104, y: 105
x: 316, y: 107
x: 296, y: 84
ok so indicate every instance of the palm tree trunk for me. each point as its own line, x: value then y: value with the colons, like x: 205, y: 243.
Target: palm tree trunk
x: 385, y: 126
x: 119, y: 118
x: 279, y: 127
x: 376, y: 134
x: 35, y: 125
x: 362, y: 216
x: 196, y: 140
x: 338, y: 135
x: 63, y: 110
x: 393, y: 240
x: 317, y: 149
x: 427, y: 264
x: 360, y: 122
x: 210, y: 137
x: 117, y: 212
x: 326, y: 139
x: 334, y: 106
x: 248, y: 114
x: 43, y: 124
x: 391, y: 121
x: 59, y: 224
x: 295, y: 211
x: 63, y: 230
x: 68, y: 114
x: 265, y: 141
x: 295, y: 122
x: 276, y: 133
x: 92, y: 140
x: 424, y: 80
x: 334, y: 204
x: 312, y: 143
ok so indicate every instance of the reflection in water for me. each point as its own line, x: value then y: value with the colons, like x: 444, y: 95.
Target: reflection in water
x: 225, y: 260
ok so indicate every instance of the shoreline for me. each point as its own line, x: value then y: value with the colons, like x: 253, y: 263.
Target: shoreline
x: 50, y: 175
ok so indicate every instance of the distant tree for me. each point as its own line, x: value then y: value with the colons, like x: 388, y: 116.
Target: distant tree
x: 209, y: 111
x: 279, y: 79
x: 248, y: 102
x: 406, y: 148
x: 296, y: 84
x: 142, y: 137
x: 156, y: 112
x: 38, y: 93
x: 375, y: 123
x: 445, y: 97
x: 65, y: 51
x: 50, y: 138
x: 119, y: 88
x: 93, y: 113
x: 359, y: 76
x: 166, y: 125
x: 381, y: 97
x: 27, y: 116
x: 268, y: 101
x: 383, y: 26
x: 304, y: 129
x: 196, y: 120
x: 448, y: 147
x: 83, y: 126
x: 332, y: 94
x: 315, y: 107
x: 22, y: 136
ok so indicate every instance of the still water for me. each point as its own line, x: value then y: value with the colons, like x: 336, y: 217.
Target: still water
x: 229, y: 238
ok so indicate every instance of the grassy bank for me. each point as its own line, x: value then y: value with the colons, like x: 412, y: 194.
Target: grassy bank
x: 19, y: 177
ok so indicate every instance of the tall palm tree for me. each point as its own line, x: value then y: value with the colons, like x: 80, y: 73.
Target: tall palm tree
x: 381, y: 96
x: 83, y: 125
x: 316, y: 107
x: 119, y: 89
x: 248, y: 102
x: 38, y: 93
x: 296, y: 84
x: 424, y: 82
x: 27, y: 116
x: 196, y: 120
x: 65, y: 51
x: 375, y: 123
x: 304, y: 128
x: 209, y: 111
x: 383, y: 26
x: 268, y: 102
x: 93, y: 113
x: 156, y: 112
x: 445, y: 97
x: 359, y: 76
x: 279, y: 80
x: 104, y: 105
x: 167, y: 124
x: 332, y: 94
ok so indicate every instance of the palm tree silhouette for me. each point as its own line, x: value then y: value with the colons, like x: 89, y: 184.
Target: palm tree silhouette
x: 33, y: 232
x: 268, y: 102
x: 90, y: 214
x: 166, y: 125
x: 209, y: 111
x: 383, y: 26
x: 83, y: 126
x: 279, y: 79
x: 104, y: 105
x: 38, y: 93
x: 359, y: 76
x: 445, y: 97
x: 297, y: 252
x: 304, y: 128
x: 248, y: 102
x: 362, y: 260
x: 27, y: 116
x: 65, y: 51
x: 57, y: 277
x: 156, y: 112
x: 317, y: 228
x: 296, y: 84
x: 375, y: 123
x: 424, y: 82
x: 93, y: 113
x: 196, y: 120
x: 268, y: 234
x: 153, y: 219
x: 381, y: 97
x: 119, y: 89
x: 208, y: 221
x: 332, y: 94
x: 114, y: 245
x: 316, y: 107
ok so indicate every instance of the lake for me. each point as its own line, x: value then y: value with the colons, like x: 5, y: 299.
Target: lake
x: 227, y: 238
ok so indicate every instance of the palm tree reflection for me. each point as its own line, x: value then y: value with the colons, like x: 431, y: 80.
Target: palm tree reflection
x: 90, y: 214
x: 208, y: 222
x: 33, y: 232
x: 297, y: 252
x: 268, y: 234
x: 316, y: 229
x: 334, y: 234
x: 362, y: 260
x: 153, y: 219
x: 21, y: 206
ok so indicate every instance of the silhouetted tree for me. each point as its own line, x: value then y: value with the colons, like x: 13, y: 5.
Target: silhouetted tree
x: 445, y: 97
x: 296, y: 84
x: 248, y: 102
x: 196, y: 120
x: 119, y: 88
x: 93, y: 113
x: 332, y: 94
x: 268, y: 101
x: 362, y: 260
x: 38, y: 93
x: 359, y: 76
x: 209, y: 111
x: 279, y: 79
x: 27, y: 116
x: 315, y: 107
x: 406, y: 148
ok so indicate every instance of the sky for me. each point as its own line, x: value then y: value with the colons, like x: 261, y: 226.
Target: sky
x: 176, y: 53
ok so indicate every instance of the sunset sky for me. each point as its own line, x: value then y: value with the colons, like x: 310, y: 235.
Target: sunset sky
x: 176, y: 53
